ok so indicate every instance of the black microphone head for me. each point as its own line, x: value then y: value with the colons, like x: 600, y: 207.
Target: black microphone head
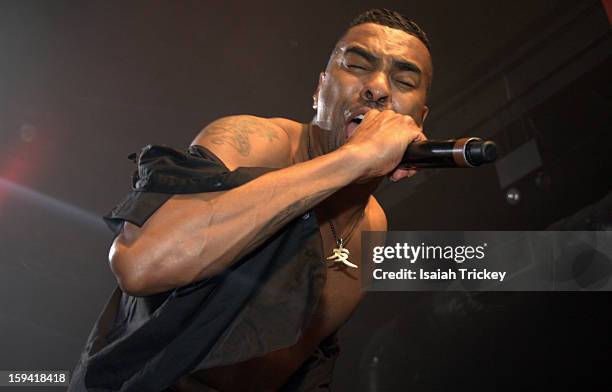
x: 479, y: 152
x: 489, y: 151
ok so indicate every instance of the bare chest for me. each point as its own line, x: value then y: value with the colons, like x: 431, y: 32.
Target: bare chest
x: 340, y: 296
x: 342, y: 290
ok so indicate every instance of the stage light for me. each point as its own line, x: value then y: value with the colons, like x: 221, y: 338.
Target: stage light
x: 513, y: 196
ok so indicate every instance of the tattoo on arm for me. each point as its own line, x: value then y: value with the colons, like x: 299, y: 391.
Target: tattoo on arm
x: 236, y: 133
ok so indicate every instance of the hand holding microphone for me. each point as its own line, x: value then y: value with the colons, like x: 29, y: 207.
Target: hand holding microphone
x: 394, y: 144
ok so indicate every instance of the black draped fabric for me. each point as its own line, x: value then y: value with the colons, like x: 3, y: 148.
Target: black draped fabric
x: 262, y: 303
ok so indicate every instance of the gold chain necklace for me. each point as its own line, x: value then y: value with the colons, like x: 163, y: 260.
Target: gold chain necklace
x: 340, y: 254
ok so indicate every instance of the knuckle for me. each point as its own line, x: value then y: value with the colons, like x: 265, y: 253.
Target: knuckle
x: 408, y: 118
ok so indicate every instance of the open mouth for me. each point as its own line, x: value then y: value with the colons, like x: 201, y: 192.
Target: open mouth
x: 358, y: 119
x: 352, y: 125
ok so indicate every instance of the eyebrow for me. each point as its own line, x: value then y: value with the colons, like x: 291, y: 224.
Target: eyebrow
x: 362, y: 52
x: 402, y: 65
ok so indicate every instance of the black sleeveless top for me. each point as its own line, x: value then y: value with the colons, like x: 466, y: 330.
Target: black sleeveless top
x: 260, y: 304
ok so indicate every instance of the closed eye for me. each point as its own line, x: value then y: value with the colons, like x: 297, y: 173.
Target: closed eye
x: 355, y: 66
x: 407, y: 84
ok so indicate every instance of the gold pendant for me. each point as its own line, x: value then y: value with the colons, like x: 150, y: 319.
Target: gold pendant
x: 341, y: 254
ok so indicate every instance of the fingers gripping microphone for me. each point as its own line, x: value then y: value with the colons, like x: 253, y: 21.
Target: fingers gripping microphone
x: 464, y: 152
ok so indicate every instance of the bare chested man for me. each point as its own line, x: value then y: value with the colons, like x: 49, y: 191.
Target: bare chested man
x: 381, y: 69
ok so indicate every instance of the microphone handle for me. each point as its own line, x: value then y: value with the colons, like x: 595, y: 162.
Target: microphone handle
x: 464, y: 152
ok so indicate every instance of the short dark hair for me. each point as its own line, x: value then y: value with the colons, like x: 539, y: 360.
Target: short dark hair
x: 392, y: 19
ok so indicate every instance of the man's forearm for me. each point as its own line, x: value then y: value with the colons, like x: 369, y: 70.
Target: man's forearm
x: 190, y: 238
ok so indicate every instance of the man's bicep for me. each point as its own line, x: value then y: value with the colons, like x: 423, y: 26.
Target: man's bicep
x: 246, y: 141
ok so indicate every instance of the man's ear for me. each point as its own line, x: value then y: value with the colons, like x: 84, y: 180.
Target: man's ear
x: 424, y: 114
x: 315, y: 96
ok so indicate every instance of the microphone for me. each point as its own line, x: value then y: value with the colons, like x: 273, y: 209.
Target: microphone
x: 464, y: 152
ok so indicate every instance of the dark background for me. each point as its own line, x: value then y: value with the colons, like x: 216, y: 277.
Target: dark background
x: 83, y: 84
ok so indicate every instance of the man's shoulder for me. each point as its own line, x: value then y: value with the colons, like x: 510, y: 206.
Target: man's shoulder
x: 250, y: 141
x: 290, y: 126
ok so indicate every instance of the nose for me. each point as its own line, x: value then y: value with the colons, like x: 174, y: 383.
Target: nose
x: 376, y: 90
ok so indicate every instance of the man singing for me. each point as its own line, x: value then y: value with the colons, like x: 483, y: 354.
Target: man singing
x: 239, y: 260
